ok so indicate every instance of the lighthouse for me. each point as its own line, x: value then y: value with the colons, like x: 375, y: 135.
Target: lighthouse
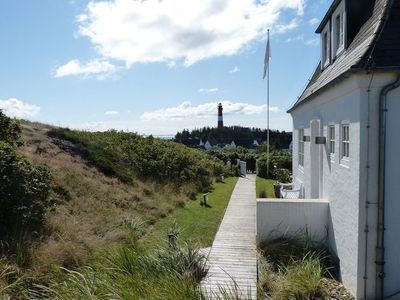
x: 220, y: 119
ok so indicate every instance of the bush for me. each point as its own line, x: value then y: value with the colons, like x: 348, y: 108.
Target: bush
x: 128, y: 156
x: 282, y: 175
x: 10, y: 131
x: 24, y: 191
x: 277, y: 160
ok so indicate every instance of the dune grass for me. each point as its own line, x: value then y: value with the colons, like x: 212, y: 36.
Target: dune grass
x: 199, y: 223
x: 294, y: 267
x: 131, y: 273
x: 265, y: 188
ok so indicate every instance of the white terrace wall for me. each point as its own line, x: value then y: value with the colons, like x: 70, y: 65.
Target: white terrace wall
x: 290, y: 217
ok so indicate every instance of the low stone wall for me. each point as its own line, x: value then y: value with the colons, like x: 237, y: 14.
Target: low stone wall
x: 292, y: 216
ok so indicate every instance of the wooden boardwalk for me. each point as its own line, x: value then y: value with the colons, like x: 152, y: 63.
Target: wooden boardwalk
x: 233, y: 254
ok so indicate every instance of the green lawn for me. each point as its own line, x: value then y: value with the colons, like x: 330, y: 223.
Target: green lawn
x: 265, y: 186
x: 199, y: 224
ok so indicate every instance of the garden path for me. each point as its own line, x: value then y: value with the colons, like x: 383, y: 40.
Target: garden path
x: 233, y: 255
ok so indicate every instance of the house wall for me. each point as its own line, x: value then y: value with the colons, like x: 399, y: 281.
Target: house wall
x: 340, y: 180
x: 370, y: 88
x: 290, y: 217
x: 350, y: 187
x: 392, y: 203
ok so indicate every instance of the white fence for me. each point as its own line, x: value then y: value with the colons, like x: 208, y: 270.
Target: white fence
x: 292, y: 216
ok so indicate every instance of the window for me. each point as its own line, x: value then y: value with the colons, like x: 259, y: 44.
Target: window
x: 331, y: 137
x: 301, y: 147
x: 338, y: 28
x: 325, y: 47
x: 345, y: 141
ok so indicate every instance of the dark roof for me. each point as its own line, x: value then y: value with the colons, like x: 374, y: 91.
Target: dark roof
x: 376, y: 45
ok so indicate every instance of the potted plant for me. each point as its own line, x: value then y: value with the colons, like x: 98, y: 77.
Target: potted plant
x: 281, y: 176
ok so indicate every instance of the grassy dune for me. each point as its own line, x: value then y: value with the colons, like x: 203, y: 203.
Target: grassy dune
x: 107, y: 199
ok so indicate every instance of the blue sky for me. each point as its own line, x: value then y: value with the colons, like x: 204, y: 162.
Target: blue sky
x: 152, y: 66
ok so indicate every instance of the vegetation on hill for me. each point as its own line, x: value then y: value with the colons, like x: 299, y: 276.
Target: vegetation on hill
x: 129, y: 156
x: 24, y: 192
x: 242, y: 136
x: 79, y: 197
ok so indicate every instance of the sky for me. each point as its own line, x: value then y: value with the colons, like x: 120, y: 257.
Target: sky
x: 155, y: 66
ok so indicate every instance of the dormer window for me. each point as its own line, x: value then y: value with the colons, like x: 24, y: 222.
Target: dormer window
x: 325, y: 43
x: 338, y: 30
x: 333, y: 33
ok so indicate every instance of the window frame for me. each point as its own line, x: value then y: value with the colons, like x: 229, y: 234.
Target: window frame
x: 332, y: 140
x: 338, y: 46
x: 345, y: 142
x: 326, y: 46
x: 300, y: 150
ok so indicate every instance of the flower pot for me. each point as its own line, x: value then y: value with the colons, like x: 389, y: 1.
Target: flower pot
x: 277, y: 189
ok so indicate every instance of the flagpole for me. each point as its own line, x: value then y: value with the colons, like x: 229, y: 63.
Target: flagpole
x: 268, y: 115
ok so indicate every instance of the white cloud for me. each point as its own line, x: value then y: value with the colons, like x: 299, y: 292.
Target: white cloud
x: 300, y: 38
x: 187, y: 111
x: 212, y: 90
x: 312, y: 42
x: 100, y: 68
x: 234, y: 70
x: 135, y: 31
x: 111, y: 113
x: 16, y: 108
x: 313, y: 21
x: 295, y: 39
x: 282, y: 28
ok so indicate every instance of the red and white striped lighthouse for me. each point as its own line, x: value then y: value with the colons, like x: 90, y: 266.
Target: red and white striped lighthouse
x: 220, y: 119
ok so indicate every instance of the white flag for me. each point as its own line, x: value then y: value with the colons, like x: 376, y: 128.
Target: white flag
x: 266, y: 59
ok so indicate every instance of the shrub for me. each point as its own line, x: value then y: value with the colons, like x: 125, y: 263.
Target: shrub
x: 129, y: 155
x: 282, y: 175
x: 24, y: 191
x: 277, y: 160
x: 10, y: 131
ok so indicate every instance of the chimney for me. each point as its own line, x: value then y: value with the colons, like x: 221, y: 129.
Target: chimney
x: 220, y: 120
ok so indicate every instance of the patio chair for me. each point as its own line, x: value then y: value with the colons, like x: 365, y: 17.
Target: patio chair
x: 289, y: 191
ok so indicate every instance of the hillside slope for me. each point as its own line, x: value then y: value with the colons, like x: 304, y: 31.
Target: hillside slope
x: 92, y: 209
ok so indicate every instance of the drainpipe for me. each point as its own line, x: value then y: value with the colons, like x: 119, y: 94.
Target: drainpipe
x: 380, y: 248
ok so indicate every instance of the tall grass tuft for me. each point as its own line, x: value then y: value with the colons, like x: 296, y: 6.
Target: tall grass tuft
x: 285, y: 249
x: 301, y: 280
x: 294, y: 267
x: 129, y: 273
x: 7, y: 279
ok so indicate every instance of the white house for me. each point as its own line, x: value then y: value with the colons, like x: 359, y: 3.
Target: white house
x: 232, y: 145
x: 207, y: 145
x: 346, y: 142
